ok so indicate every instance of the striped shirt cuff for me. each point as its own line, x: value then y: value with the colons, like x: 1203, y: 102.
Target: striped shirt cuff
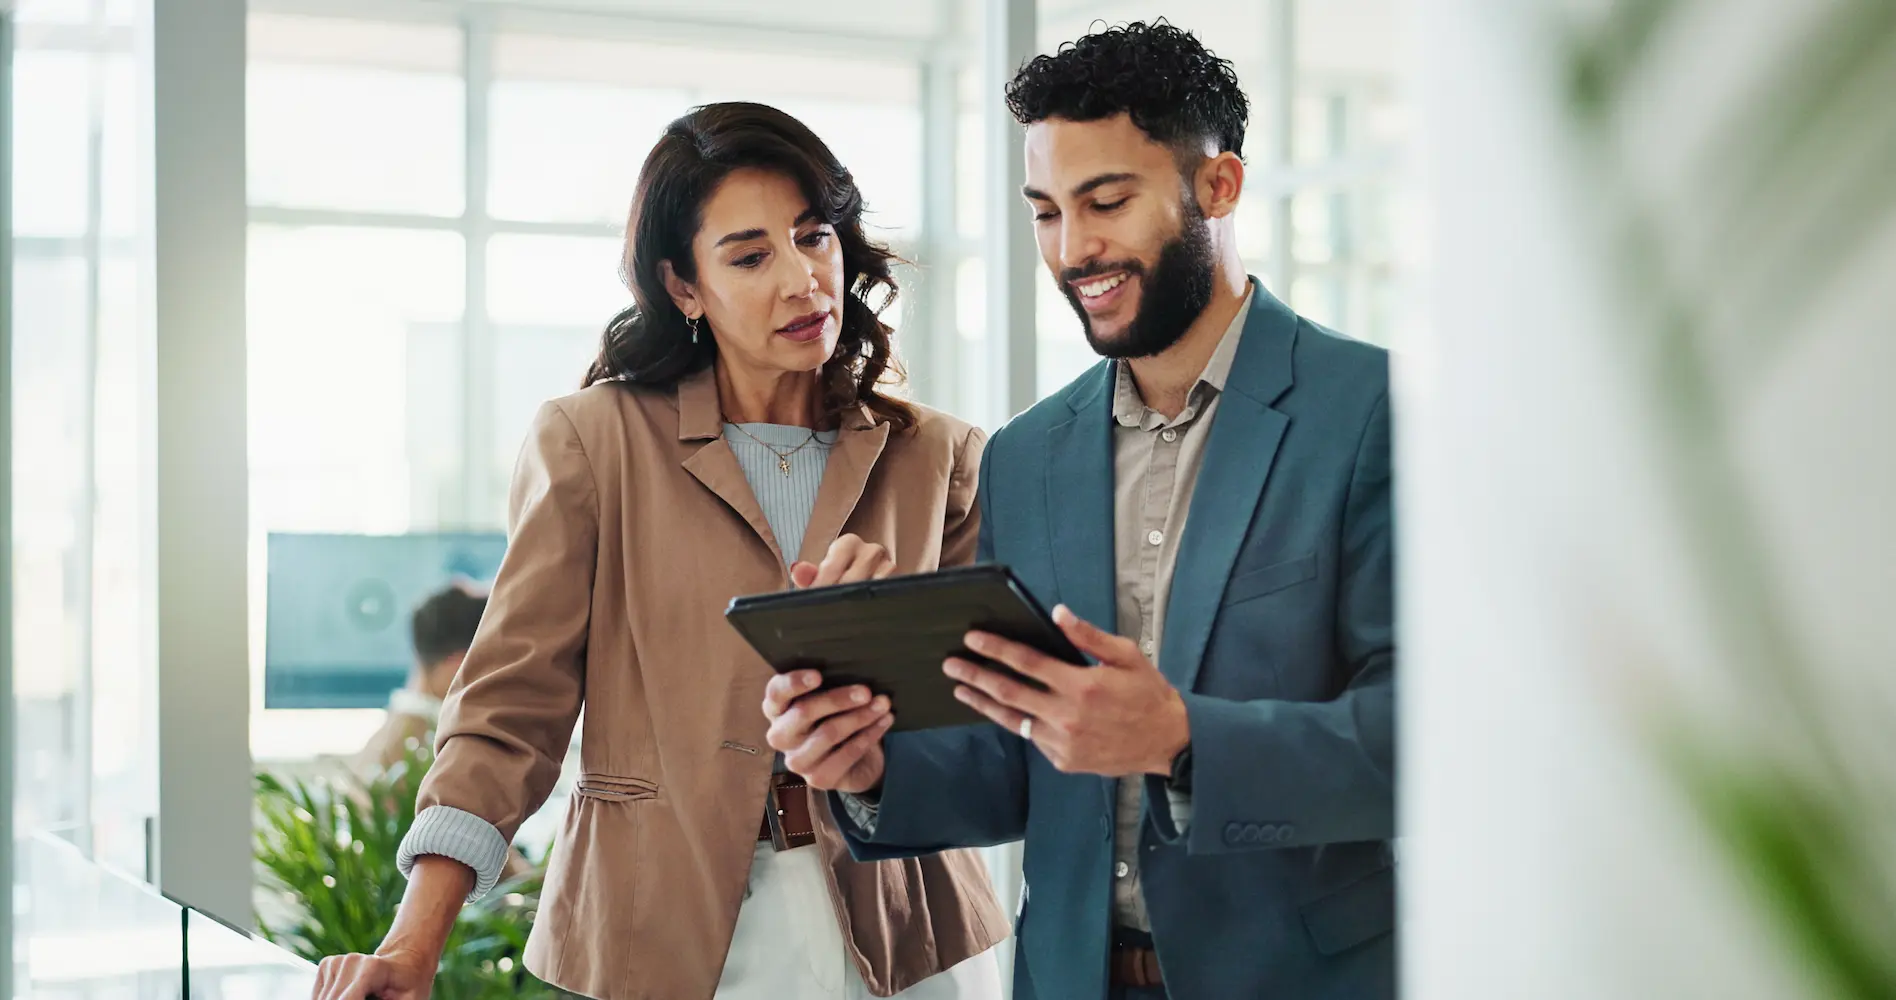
x: 1181, y: 803
x: 861, y: 812
x: 453, y: 833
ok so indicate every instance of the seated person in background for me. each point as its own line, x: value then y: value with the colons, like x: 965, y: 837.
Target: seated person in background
x: 442, y: 628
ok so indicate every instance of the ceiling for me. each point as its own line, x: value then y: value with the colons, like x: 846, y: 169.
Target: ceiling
x: 1345, y: 38
x: 913, y: 20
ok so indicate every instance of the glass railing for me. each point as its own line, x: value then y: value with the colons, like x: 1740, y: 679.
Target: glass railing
x: 86, y: 932
x: 224, y: 963
x: 83, y: 931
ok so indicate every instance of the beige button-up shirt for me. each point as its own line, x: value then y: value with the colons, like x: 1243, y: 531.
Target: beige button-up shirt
x: 1155, y: 468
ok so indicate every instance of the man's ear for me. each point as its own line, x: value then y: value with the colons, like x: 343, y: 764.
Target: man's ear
x: 1219, y: 183
x: 441, y: 675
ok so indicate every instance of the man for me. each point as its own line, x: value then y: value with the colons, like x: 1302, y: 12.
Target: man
x: 1217, y: 493
x: 442, y: 628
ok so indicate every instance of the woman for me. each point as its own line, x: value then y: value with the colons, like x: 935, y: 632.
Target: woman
x: 733, y: 437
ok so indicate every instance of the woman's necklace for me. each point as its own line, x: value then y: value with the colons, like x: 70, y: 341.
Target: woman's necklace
x: 783, y: 457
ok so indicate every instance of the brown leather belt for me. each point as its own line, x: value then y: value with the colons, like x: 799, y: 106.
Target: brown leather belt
x: 1137, y: 967
x: 787, y: 822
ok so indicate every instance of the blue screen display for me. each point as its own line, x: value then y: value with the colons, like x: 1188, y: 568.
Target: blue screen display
x: 338, y: 606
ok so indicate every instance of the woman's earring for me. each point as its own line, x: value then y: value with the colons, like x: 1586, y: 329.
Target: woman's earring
x: 692, y: 321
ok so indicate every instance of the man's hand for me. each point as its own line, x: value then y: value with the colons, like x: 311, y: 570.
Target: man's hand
x: 1119, y: 718
x: 849, y: 560
x: 832, y: 738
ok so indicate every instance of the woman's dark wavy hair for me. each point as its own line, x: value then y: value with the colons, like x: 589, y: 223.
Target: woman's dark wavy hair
x: 1162, y: 76
x: 649, y: 344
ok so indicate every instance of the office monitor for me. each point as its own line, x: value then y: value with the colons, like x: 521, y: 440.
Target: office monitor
x: 338, y: 607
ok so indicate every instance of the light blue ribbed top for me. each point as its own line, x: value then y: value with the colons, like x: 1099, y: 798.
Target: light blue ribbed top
x: 787, y: 500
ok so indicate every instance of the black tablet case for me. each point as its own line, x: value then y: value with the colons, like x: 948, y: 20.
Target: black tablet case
x: 893, y: 634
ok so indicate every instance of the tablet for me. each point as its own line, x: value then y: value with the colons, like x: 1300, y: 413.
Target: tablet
x: 893, y: 634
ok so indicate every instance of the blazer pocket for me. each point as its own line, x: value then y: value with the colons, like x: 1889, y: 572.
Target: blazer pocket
x: 613, y: 788
x: 1353, y: 915
x: 1255, y: 583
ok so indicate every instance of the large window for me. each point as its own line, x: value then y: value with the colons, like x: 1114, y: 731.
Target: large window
x: 82, y: 617
x: 1333, y: 182
x: 354, y: 359
x: 1348, y: 129
x: 351, y: 115
x: 357, y: 289
x: 437, y: 206
x: 437, y: 209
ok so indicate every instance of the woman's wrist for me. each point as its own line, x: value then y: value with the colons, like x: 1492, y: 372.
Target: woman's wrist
x: 437, y: 889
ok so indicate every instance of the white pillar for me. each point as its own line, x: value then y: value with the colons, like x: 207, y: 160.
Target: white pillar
x: 1281, y: 15
x: 203, y: 486
x: 1012, y: 257
x: 7, y: 730
x: 930, y: 334
x: 1638, y: 506
x: 1012, y: 260
x: 481, y: 501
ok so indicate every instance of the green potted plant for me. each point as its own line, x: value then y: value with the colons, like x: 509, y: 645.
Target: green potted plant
x: 328, y: 850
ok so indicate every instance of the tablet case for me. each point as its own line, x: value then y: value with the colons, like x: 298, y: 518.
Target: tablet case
x: 893, y: 634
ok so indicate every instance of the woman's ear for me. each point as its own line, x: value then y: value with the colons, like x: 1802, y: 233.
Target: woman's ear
x: 682, y: 292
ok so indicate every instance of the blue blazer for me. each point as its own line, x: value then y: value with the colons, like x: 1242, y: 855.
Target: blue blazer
x: 1278, y: 634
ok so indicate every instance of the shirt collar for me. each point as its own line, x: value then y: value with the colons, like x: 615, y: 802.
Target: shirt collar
x: 1129, y: 408
x: 408, y: 701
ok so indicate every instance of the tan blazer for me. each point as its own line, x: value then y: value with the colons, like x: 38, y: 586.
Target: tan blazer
x: 390, y: 745
x: 632, y: 528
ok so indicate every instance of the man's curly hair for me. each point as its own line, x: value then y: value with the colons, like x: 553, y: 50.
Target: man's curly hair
x: 1173, y: 88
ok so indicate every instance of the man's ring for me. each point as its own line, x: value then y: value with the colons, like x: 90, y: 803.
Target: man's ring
x: 1027, y: 729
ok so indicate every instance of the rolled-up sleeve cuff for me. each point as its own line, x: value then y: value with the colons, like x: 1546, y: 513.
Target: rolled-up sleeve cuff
x: 861, y: 812
x: 462, y: 836
x: 1181, y: 803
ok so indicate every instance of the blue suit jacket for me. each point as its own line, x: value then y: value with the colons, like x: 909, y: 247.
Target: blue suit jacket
x: 1279, y: 635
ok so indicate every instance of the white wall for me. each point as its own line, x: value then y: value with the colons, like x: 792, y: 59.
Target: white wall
x: 1598, y: 555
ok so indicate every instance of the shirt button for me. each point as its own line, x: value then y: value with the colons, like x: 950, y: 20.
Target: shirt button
x: 1146, y: 646
x: 1155, y: 537
x: 1121, y: 870
x: 1170, y: 435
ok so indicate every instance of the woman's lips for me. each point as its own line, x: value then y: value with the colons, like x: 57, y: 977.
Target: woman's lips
x: 806, y: 328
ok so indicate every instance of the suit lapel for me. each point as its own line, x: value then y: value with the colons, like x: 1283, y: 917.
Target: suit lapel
x: 713, y: 463
x: 1080, y: 489
x: 844, y: 478
x: 1245, y: 435
x: 1080, y: 504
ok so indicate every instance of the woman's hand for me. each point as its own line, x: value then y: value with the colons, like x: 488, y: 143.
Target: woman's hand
x: 850, y: 560
x: 391, y: 975
x: 404, y: 967
x: 832, y: 738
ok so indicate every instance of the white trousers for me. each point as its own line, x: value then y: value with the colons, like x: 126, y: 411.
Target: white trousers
x: 788, y: 947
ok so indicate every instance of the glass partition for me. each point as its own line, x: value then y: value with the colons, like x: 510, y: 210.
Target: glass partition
x: 223, y: 963
x: 86, y: 932
x: 84, y: 689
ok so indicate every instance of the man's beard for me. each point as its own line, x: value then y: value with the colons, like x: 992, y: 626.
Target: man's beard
x: 1171, y: 297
